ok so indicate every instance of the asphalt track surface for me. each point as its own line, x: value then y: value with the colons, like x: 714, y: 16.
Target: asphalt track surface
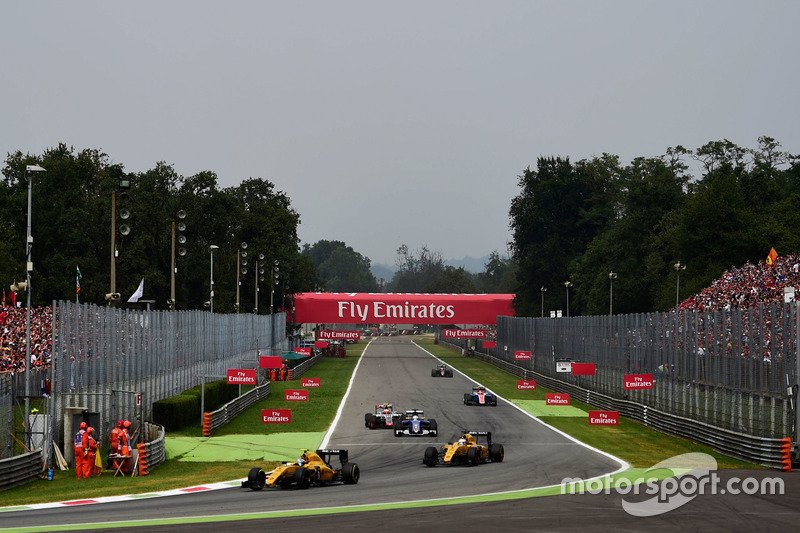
x: 396, y: 371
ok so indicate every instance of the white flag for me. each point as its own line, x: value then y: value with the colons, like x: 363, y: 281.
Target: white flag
x: 138, y: 294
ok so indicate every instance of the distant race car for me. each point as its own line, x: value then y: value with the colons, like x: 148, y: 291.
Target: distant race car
x: 415, y: 424
x: 480, y: 396
x: 442, y: 371
x: 312, y: 468
x: 466, y: 451
x: 384, y: 417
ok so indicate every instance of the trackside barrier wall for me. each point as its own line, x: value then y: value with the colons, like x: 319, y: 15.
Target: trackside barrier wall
x: 232, y: 409
x: 229, y: 411
x: 20, y: 469
x: 764, y: 451
x: 152, y: 452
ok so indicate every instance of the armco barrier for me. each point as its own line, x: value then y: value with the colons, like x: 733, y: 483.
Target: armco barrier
x: 152, y: 452
x: 759, y: 450
x: 297, y: 371
x: 19, y: 470
x: 232, y: 409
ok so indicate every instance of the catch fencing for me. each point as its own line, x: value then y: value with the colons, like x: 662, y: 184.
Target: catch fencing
x: 114, y: 363
x: 735, y: 370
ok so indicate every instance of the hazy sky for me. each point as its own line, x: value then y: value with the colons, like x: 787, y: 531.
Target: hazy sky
x: 395, y: 122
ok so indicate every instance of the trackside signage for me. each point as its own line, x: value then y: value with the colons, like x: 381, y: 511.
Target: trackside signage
x: 344, y: 335
x: 489, y: 344
x: 638, y: 381
x: 583, y: 369
x: 556, y: 398
x: 523, y: 355
x: 270, y: 361
x: 390, y: 308
x: 310, y: 382
x: 303, y: 351
x: 320, y: 344
x: 464, y: 333
x: 298, y: 395
x: 276, y: 416
x: 603, y: 418
x: 526, y: 384
x: 241, y: 377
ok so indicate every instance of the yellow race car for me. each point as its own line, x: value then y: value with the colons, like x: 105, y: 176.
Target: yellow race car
x: 466, y: 451
x: 312, y: 468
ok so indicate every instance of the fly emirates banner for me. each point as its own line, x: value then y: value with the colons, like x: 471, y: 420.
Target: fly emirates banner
x: 390, y: 308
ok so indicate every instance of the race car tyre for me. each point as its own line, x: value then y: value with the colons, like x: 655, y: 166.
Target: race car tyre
x: 257, y: 477
x: 466, y: 398
x: 302, y: 478
x: 433, y: 373
x: 431, y: 456
x: 433, y: 428
x: 373, y: 422
x: 367, y: 417
x: 448, y: 374
x: 494, y: 402
x: 496, y: 452
x: 473, y: 457
x: 350, y: 473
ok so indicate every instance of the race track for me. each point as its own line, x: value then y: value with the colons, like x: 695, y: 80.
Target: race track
x: 393, y: 370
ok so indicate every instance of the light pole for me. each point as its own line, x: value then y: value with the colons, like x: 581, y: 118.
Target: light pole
x: 544, y: 290
x: 29, y: 170
x: 567, y: 284
x: 678, y: 267
x: 211, y: 296
x: 124, y: 229
x: 611, y: 277
x: 181, y: 226
x: 259, y: 275
x: 275, y: 269
x: 241, y: 265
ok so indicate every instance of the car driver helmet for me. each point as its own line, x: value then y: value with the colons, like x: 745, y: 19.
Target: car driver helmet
x: 462, y: 441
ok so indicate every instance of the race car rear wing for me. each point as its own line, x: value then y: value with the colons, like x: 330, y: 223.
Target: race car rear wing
x: 487, y: 434
x: 327, y: 454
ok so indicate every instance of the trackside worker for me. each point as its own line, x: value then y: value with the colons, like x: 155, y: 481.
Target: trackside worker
x: 90, y: 453
x: 77, y: 447
x: 126, y: 445
x: 116, y: 443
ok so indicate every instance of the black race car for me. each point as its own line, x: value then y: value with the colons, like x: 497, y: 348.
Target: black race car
x: 442, y: 371
x: 385, y: 417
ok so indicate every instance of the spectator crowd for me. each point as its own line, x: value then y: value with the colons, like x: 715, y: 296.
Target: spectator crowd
x: 13, y: 334
x: 748, y: 286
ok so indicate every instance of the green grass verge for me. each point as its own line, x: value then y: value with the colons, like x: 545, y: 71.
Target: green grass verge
x: 640, y: 446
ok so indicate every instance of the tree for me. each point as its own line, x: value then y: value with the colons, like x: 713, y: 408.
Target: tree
x: 340, y: 268
x: 416, y: 272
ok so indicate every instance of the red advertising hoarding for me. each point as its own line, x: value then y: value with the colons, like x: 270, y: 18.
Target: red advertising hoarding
x: 522, y: 355
x: 270, y: 361
x: 526, y: 384
x: 276, y: 416
x: 320, y: 344
x: 295, y: 395
x: 389, y: 308
x: 556, y: 398
x: 638, y: 381
x: 583, y: 369
x: 463, y: 333
x: 303, y: 351
x: 339, y: 335
x: 241, y: 377
x: 310, y: 382
x: 603, y: 418
x: 489, y: 344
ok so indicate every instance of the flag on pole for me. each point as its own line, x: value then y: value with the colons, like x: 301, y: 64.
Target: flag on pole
x: 773, y: 255
x: 78, y: 284
x: 138, y: 294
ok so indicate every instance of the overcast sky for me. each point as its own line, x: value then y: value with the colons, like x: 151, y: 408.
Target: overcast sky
x: 395, y: 122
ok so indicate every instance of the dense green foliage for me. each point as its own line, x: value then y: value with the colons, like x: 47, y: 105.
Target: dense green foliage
x: 340, y: 268
x: 71, y: 226
x: 581, y: 222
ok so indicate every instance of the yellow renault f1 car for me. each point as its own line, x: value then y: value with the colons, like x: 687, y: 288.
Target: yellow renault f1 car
x: 466, y: 451
x: 312, y: 468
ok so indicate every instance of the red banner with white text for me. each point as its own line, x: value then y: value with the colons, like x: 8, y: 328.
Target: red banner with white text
x: 389, y: 308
